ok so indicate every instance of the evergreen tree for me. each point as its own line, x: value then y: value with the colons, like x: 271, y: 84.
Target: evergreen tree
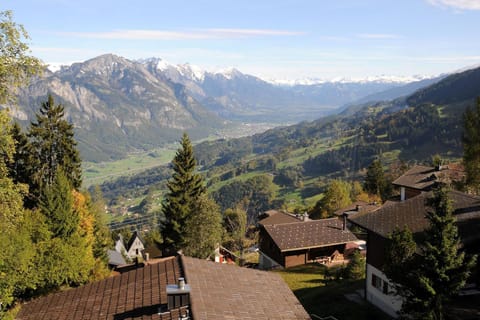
x: 19, y: 170
x: 429, y: 274
x: 56, y: 203
x: 355, y: 269
x: 184, y: 189
x: 375, y: 182
x: 102, y: 236
x: 471, y: 146
x: 203, y: 229
x: 52, y: 146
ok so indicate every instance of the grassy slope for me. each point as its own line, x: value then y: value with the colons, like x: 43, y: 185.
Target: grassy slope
x: 327, y: 298
x: 96, y: 173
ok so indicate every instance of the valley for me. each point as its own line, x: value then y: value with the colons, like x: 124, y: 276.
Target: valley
x: 294, y: 164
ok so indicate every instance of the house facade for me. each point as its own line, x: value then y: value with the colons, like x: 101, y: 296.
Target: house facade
x: 412, y: 214
x: 296, y: 243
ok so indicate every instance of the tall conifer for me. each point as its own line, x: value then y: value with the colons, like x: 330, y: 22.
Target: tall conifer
x: 56, y: 203
x: 53, y: 146
x: 184, y: 189
x: 428, y: 274
x: 471, y: 146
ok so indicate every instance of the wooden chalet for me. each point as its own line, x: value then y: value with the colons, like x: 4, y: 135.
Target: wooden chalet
x: 299, y: 242
x: 424, y: 178
x: 412, y: 214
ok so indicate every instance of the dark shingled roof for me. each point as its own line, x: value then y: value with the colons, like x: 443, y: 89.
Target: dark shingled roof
x: 309, y: 234
x: 412, y: 213
x: 424, y: 178
x: 221, y: 291
x: 136, y: 294
x: 217, y: 292
x: 278, y: 217
x: 357, y: 207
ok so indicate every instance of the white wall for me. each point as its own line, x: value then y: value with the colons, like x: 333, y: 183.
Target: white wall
x: 389, y: 303
x: 137, y: 244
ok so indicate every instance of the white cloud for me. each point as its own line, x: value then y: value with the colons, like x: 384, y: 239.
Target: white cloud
x: 180, y: 35
x: 457, y: 4
x: 378, y: 36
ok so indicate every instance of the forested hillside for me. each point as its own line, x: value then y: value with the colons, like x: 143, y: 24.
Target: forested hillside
x: 301, y: 159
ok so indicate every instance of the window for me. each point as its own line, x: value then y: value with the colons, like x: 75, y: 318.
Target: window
x: 380, y: 284
x: 376, y: 282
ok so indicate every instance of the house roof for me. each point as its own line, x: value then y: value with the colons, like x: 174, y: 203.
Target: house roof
x: 358, y: 206
x: 217, y: 292
x: 309, y: 234
x: 423, y: 177
x: 229, y: 292
x: 136, y: 294
x: 115, y: 258
x: 412, y: 213
x: 278, y: 217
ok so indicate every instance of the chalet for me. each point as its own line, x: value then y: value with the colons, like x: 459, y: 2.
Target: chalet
x: 294, y: 243
x: 135, y: 248
x: 174, y: 288
x: 411, y: 213
x: 423, y: 179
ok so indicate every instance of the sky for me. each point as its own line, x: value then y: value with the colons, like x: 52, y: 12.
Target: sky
x: 272, y: 39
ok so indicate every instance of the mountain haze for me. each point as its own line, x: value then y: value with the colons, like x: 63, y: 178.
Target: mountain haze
x: 238, y: 96
x: 120, y: 106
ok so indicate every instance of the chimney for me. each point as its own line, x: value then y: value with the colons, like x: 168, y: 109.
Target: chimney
x: 344, y: 225
x: 305, y: 216
x: 178, y: 295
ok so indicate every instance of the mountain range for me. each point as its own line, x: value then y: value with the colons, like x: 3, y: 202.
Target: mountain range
x: 302, y: 158
x: 120, y: 106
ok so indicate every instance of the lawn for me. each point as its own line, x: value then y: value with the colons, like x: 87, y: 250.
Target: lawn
x: 327, y: 297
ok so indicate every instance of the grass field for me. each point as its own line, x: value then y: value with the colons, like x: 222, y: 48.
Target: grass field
x: 96, y: 173
x: 324, y: 297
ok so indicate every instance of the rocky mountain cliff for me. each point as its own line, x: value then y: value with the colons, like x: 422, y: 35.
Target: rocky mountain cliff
x: 118, y: 106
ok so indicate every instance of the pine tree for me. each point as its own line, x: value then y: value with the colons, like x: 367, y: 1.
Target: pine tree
x: 103, y: 238
x: 375, y: 181
x: 184, y: 188
x: 471, y: 146
x: 52, y: 146
x: 19, y: 170
x: 429, y: 274
x: 355, y: 269
x: 56, y: 203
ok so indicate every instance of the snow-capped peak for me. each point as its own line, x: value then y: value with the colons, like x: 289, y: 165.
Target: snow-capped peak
x: 368, y: 79
x: 191, y: 71
x: 163, y: 65
x: 228, y: 73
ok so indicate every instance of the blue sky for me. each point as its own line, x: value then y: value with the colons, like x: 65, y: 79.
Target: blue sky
x: 287, y: 39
